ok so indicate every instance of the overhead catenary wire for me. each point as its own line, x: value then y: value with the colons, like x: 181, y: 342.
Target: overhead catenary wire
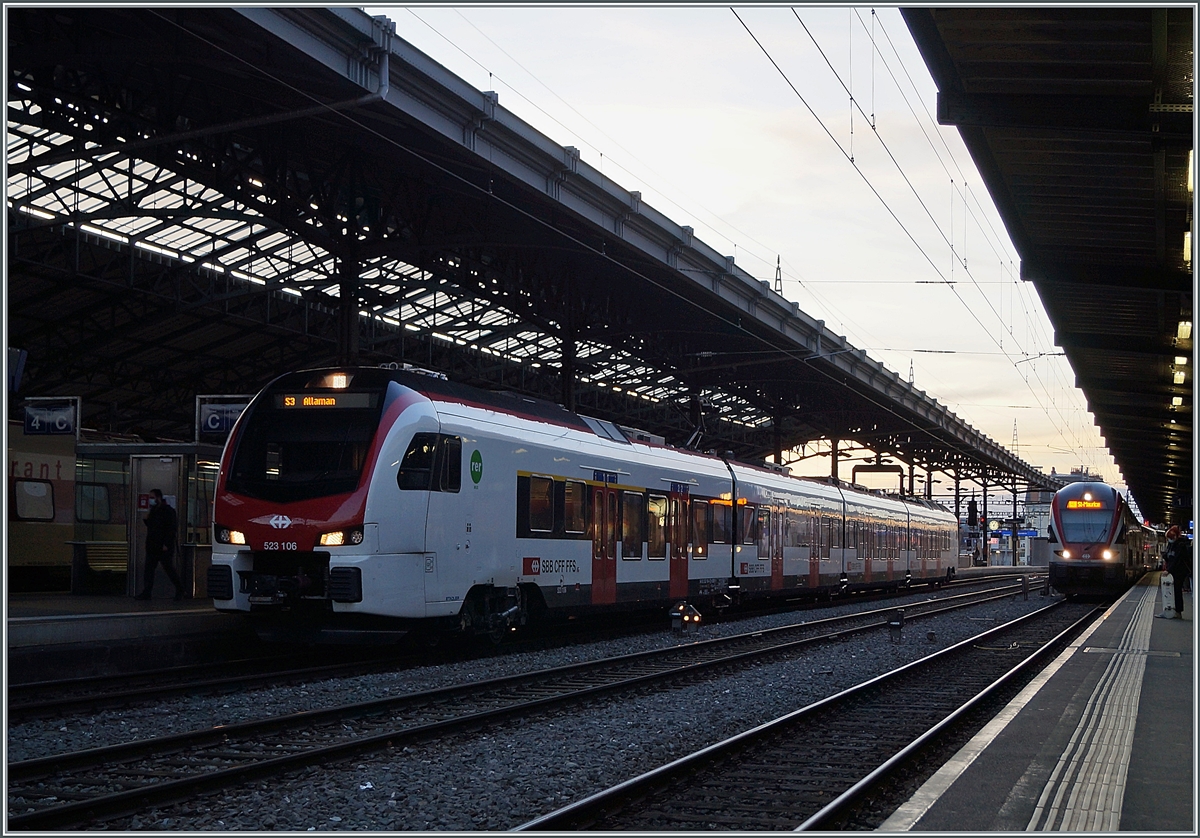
x: 913, y: 421
x: 959, y: 259
x: 994, y: 239
x: 793, y: 274
x: 582, y: 140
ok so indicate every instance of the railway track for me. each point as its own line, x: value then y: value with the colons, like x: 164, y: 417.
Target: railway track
x: 92, y: 694
x: 810, y: 769
x: 78, y: 788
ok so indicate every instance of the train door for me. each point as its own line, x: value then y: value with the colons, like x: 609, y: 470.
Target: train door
x: 770, y: 546
x: 449, y: 507
x: 820, y: 546
x: 604, y: 545
x: 147, y: 472
x: 677, y: 533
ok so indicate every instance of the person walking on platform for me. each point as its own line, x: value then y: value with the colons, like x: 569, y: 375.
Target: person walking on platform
x: 161, y: 525
x: 1178, y: 562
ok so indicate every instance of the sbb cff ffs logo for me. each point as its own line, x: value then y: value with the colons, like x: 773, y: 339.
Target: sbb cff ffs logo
x: 280, y: 522
x: 533, y: 566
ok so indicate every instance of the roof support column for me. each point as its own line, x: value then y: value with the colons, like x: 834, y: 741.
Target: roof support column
x: 567, y: 368
x: 347, y: 320
x: 1016, y: 539
x: 833, y: 465
x: 957, y: 498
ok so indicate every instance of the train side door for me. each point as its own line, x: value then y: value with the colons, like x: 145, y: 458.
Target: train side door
x: 769, y: 546
x: 677, y: 532
x: 604, y: 545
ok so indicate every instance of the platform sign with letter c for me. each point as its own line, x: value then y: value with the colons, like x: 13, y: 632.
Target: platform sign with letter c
x: 50, y: 418
x: 216, y: 415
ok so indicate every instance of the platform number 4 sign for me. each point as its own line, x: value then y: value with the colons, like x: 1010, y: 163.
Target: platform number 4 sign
x: 49, y: 419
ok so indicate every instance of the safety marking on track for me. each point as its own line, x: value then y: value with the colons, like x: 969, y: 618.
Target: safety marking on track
x: 1086, y: 789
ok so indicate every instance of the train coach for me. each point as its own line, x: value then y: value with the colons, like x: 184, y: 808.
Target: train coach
x: 1102, y: 548
x: 375, y: 499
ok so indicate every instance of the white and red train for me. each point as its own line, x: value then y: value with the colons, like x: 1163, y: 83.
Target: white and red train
x: 1099, y: 545
x: 373, y: 498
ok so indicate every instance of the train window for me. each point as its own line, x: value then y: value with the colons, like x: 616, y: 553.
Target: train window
x: 33, y: 500
x: 286, y: 456
x: 835, y: 533
x: 91, y: 503
x: 656, y: 527
x: 764, y: 532
x: 633, y: 514
x: 541, y: 504
x: 416, y: 468
x: 450, y: 467
x: 574, y: 506
x: 699, y: 529
x: 749, y: 528
x: 721, y: 522
x: 610, y: 523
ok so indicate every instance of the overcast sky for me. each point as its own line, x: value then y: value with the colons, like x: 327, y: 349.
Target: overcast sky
x: 683, y: 105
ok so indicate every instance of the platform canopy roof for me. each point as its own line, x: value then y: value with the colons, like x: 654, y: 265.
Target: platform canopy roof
x: 1080, y: 121
x: 200, y: 199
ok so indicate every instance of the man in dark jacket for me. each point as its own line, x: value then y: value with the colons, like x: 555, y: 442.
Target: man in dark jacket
x: 1178, y: 561
x: 161, y: 525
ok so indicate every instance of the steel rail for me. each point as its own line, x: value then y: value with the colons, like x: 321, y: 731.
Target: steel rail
x: 592, y: 811
x: 836, y: 811
x: 613, y: 672
x: 88, y: 694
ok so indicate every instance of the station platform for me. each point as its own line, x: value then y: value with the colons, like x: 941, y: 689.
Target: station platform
x: 57, y: 635
x: 1101, y: 741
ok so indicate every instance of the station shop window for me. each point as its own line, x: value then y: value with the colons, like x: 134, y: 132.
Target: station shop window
x: 33, y: 500
x: 574, y: 506
x: 633, y: 515
x: 92, y: 503
x: 656, y: 527
x: 541, y: 504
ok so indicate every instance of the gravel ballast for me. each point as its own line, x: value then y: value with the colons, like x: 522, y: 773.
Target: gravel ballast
x: 511, y: 772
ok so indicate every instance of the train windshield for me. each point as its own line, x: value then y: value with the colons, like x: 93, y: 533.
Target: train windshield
x: 1088, y: 526
x: 299, y: 448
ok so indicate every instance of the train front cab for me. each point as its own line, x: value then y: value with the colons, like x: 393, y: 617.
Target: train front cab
x: 1099, y: 546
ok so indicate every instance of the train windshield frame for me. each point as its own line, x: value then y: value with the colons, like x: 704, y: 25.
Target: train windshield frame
x: 1086, y: 526
x: 291, y: 452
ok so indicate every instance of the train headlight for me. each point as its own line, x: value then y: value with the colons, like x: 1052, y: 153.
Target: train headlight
x: 340, y: 538
x: 1108, y: 554
x: 228, y: 536
x: 1066, y: 554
